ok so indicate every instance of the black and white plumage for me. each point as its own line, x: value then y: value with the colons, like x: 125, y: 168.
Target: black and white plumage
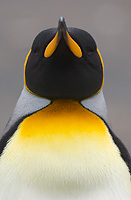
x: 58, y: 143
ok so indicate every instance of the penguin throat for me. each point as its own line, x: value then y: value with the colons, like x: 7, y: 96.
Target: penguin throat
x: 63, y: 126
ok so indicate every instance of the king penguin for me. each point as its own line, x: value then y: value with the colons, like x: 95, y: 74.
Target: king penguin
x: 58, y: 144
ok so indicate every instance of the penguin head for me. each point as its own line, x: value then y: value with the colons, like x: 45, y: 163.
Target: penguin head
x: 64, y: 63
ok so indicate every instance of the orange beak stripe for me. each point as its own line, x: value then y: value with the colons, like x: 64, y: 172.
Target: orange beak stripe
x: 73, y: 46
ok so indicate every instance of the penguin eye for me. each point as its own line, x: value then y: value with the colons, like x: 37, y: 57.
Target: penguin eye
x: 90, y: 51
x: 36, y: 51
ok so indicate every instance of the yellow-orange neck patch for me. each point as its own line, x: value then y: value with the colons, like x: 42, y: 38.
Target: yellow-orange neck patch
x: 63, y: 123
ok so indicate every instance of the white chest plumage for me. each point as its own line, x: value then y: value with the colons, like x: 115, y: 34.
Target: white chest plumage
x: 103, y: 192
x: 63, y: 152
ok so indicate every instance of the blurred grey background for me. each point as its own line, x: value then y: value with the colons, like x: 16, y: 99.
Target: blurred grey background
x: 109, y: 21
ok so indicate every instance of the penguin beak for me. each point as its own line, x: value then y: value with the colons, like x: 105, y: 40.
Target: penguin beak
x: 62, y: 31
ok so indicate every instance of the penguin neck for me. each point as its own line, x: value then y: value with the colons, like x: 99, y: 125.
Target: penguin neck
x: 29, y: 103
x: 97, y: 105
